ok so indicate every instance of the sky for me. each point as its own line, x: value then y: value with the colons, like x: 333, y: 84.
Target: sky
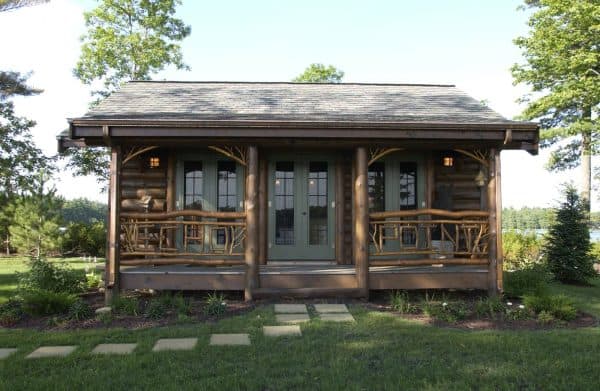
x: 468, y: 43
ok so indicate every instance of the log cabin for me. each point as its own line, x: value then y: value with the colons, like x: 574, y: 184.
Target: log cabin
x: 301, y: 189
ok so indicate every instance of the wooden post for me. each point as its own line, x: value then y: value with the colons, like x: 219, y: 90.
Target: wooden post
x: 114, y: 226
x: 493, y: 243
x: 361, y: 222
x: 251, y: 251
x: 262, y: 211
x: 430, y: 182
x: 339, y: 212
x: 171, y: 175
x: 499, y: 248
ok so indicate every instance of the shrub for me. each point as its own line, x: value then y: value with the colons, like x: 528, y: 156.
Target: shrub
x: 568, y: 248
x: 80, y: 310
x: 51, y: 277
x: 85, y: 238
x: 156, y: 309
x: 126, y: 305
x: 545, y: 317
x: 489, y: 306
x: 181, y: 305
x: 521, y: 250
x: 517, y: 312
x: 215, y: 304
x: 559, y: 306
x: 41, y: 302
x: 526, y: 281
x: 399, y: 301
x: 11, y: 312
x: 449, y: 312
x: 93, y: 280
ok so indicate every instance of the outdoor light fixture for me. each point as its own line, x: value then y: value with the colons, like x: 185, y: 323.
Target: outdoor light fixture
x: 480, y: 178
x: 448, y: 161
x: 277, y: 182
x: 154, y: 162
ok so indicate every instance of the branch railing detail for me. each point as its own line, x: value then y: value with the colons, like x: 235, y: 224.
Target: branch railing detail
x: 183, y: 233
x: 439, y: 236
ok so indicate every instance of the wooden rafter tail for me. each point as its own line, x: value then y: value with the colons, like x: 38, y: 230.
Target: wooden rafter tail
x: 136, y: 151
x: 476, y: 155
x: 378, y: 153
x: 238, y: 154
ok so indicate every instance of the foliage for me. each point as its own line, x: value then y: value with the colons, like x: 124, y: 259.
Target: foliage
x: 319, y: 73
x: 559, y: 306
x: 400, y: 302
x: 41, y: 302
x: 85, y: 239
x: 527, y: 218
x: 545, y: 317
x: 126, y: 305
x: 595, y: 252
x: 82, y: 210
x: 93, y: 280
x: 11, y: 312
x: 521, y: 250
x: 156, y: 308
x: 517, y: 312
x: 9, y: 5
x: 527, y: 280
x: 215, y: 304
x: 80, y: 310
x: 48, y: 276
x: 489, y: 307
x: 448, y: 312
x: 562, y: 65
x: 568, y: 247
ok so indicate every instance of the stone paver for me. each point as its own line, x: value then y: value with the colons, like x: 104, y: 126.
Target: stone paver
x: 281, y: 331
x: 175, y: 344
x: 114, y: 348
x: 229, y: 339
x: 291, y: 309
x: 103, y: 310
x: 337, y: 317
x: 52, y: 351
x: 5, y: 352
x: 330, y: 308
x: 292, y: 318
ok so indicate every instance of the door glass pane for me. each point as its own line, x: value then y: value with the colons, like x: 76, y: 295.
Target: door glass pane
x: 284, y: 203
x: 193, y: 185
x: 408, y: 185
x: 226, y: 187
x: 376, y: 182
x: 317, y: 203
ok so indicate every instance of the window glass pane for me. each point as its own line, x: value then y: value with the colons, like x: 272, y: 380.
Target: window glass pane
x: 317, y: 203
x: 193, y: 185
x: 376, y: 183
x: 226, y: 173
x: 408, y: 185
x: 284, y: 203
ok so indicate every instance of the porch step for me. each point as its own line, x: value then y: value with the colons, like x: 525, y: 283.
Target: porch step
x: 307, y: 292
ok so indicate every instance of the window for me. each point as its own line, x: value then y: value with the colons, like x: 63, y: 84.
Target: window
x: 408, y: 186
x: 376, y: 183
x: 317, y: 203
x: 284, y: 203
x: 193, y: 185
x: 226, y: 187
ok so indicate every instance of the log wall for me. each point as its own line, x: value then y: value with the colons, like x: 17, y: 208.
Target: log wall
x: 139, y: 180
x: 455, y: 187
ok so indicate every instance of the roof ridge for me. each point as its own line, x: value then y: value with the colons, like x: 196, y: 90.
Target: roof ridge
x: 291, y: 83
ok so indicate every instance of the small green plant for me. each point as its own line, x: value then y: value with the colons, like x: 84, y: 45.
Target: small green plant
x: 449, y: 312
x: 545, y: 317
x: 93, y: 280
x: 156, y: 309
x: 521, y: 250
x: 126, y: 305
x: 42, y: 302
x: 526, y: 281
x: 181, y: 305
x: 106, y: 318
x: 560, y: 306
x: 80, y: 310
x: 52, y: 277
x: 11, y: 312
x: 517, y: 312
x: 489, y: 307
x: 399, y: 301
x: 215, y: 304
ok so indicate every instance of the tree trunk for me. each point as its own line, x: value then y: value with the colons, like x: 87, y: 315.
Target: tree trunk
x: 586, y: 162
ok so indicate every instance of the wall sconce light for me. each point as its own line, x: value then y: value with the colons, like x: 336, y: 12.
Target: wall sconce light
x: 154, y: 162
x: 448, y: 161
x: 480, y: 178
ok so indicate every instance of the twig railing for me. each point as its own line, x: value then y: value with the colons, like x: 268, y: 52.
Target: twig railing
x: 181, y: 237
x: 428, y: 236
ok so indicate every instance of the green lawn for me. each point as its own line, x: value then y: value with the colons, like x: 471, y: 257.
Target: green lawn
x: 379, y: 351
x: 9, y: 266
x: 587, y: 298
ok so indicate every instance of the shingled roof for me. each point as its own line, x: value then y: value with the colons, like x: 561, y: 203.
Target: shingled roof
x: 241, y: 101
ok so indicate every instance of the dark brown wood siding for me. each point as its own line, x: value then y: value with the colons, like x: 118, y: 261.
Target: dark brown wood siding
x: 139, y: 180
x: 455, y: 187
x: 347, y: 173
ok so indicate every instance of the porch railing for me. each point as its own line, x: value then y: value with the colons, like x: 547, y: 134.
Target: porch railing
x: 183, y: 237
x: 428, y: 236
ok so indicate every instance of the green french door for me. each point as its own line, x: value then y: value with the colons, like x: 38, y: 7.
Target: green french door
x: 301, y: 209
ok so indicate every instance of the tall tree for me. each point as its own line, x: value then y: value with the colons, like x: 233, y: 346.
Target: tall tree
x: 8, y: 5
x: 125, y: 40
x: 319, y: 73
x: 562, y: 66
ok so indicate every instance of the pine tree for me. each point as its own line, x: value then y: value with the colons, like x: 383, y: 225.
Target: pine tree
x: 568, y: 243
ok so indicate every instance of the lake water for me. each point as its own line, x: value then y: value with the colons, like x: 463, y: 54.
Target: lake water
x: 594, y: 234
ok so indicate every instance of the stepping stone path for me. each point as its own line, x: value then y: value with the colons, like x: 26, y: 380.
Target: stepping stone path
x: 292, y: 318
x: 52, y: 351
x: 281, y: 331
x: 114, y: 348
x: 291, y: 313
x: 229, y: 339
x: 334, y: 313
x: 103, y: 310
x: 175, y: 344
x: 337, y: 317
x: 5, y: 352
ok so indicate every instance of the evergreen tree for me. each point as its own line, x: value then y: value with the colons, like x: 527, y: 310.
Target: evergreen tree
x: 568, y: 243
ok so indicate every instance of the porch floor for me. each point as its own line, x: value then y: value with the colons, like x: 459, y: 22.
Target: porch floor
x: 182, y: 277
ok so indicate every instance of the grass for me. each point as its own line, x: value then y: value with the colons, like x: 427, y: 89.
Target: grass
x: 9, y: 266
x: 586, y: 298
x: 380, y: 351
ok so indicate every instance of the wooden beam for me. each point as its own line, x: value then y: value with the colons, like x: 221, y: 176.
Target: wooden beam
x: 499, y: 248
x: 181, y: 261
x: 114, y: 226
x: 435, y: 212
x: 171, y: 181
x: 339, y: 211
x: 493, y: 228
x: 262, y: 211
x: 428, y: 261
x: 309, y: 292
x: 251, y: 250
x: 361, y: 222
